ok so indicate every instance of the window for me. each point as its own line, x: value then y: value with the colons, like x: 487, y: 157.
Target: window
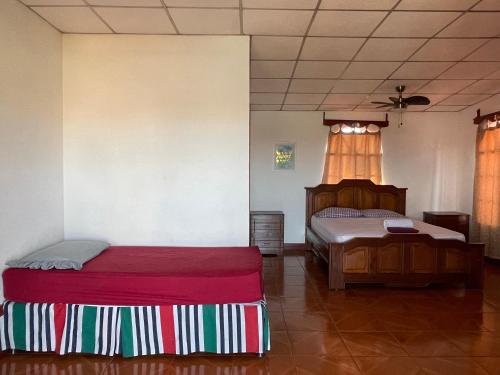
x: 353, y: 156
x: 486, y: 217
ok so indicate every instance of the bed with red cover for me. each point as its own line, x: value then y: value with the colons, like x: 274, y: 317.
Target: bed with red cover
x: 132, y: 300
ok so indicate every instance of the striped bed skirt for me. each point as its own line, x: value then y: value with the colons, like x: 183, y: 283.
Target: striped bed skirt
x: 135, y: 330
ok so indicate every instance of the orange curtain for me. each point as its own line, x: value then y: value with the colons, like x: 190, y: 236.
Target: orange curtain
x: 486, y: 215
x: 356, y: 156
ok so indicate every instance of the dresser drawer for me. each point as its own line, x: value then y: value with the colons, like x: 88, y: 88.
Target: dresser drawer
x: 267, y: 234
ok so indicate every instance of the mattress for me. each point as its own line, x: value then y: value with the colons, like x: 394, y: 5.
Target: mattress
x: 341, y: 230
x: 139, y: 276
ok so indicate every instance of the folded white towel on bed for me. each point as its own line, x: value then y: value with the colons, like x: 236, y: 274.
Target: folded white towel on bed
x: 398, y: 223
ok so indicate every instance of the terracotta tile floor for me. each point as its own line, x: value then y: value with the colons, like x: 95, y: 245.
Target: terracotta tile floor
x: 363, y: 330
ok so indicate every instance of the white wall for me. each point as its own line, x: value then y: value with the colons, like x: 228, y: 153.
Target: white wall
x: 432, y: 155
x: 31, y: 197
x: 156, y: 139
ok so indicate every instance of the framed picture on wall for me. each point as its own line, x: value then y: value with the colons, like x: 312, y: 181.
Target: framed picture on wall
x: 284, y: 156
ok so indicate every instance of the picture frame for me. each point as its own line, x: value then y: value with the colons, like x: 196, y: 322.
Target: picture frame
x: 284, y: 156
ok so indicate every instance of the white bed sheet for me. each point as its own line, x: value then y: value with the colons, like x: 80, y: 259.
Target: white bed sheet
x: 341, y: 230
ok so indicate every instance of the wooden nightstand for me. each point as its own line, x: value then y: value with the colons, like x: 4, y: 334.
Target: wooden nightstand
x: 457, y: 221
x: 267, y: 231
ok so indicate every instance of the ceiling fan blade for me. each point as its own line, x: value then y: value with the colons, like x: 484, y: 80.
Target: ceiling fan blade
x: 417, y: 100
x: 394, y: 99
x: 385, y: 103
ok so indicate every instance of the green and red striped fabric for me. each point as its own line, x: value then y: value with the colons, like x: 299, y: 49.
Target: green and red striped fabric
x: 137, y: 330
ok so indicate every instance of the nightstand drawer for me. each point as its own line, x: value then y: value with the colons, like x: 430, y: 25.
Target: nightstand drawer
x: 270, y: 225
x: 262, y: 244
x: 267, y: 234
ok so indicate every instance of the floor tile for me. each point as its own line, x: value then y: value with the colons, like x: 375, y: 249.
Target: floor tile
x: 372, y: 344
x: 326, y: 365
x: 279, y: 365
x: 280, y: 343
x: 317, y: 343
x: 476, y: 343
x: 308, y: 321
x: 388, y: 365
x: 431, y: 344
x: 490, y: 364
x: 449, y: 366
x: 357, y: 321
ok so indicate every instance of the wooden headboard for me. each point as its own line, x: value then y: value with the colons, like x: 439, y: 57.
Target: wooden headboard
x: 360, y: 194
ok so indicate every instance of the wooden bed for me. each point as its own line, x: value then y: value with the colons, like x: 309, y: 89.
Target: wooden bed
x: 409, y: 260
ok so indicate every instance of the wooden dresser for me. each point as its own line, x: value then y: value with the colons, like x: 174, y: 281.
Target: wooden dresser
x: 267, y: 231
x: 457, y: 221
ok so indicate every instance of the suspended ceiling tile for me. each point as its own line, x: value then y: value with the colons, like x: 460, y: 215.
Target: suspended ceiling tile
x: 483, y: 87
x: 358, y: 4
x: 474, y: 24
x: 470, y: 70
x: 203, y: 3
x: 494, y: 75
x: 206, y: 21
x: 280, y: 4
x: 435, y: 4
x: 444, y: 86
x: 489, y: 52
x: 446, y: 49
x: 369, y: 108
x: 488, y: 5
x: 275, y: 47
x: 271, y: 69
x: 311, y: 85
x: 388, y: 49
x: 345, y: 23
x: 276, y: 22
x: 268, y: 85
x: 73, y: 19
x: 304, y: 98
x: 53, y: 2
x: 317, y: 48
x: 266, y: 98
x: 137, y: 20
x: 370, y: 70
x: 127, y: 3
x: 300, y: 107
x: 446, y: 108
x: 414, y: 24
x: 319, y: 69
x: 336, y: 107
x: 411, y: 85
x: 460, y: 99
x: 344, y: 99
x: 354, y: 86
x: 265, y: 107
x: 421, y: 70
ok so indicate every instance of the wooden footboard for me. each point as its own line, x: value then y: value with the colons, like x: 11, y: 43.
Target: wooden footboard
x: 408, y: 260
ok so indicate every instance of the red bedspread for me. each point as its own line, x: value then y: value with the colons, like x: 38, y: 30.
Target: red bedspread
x: 130, y: 275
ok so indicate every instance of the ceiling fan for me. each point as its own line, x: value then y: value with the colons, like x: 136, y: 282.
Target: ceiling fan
x: 401, y: 103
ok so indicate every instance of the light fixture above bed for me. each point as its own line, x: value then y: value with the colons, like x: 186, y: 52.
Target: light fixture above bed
x: 355, y: 126
x: 487, y: 122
